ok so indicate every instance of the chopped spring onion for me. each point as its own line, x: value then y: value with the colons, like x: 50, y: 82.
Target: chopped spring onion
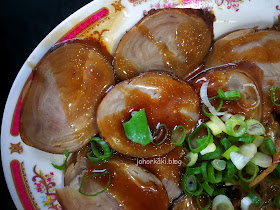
x: 210, y: 148
x: 194, y: 170
x: 225, y: 142
x: 218, y: 109
x: 258, y: 141
x: 254, y: 127
x: 191, y: 185
x: 234, y: 122
x: 211, y: 175
x: 211, y: 155
x: 233, y: 148
x: 277, y: 201
x: 179, y: 133
x: 99, y: 157
x: 222, y: 202
x: 203, y: 141
x: 226, y: 116
x: 230, y: 170
x: 254, y: 198
x: 219, y: 165
x: 272, y: 95
x: 246, y: 202
x: 270, y: 146
x: 96, y: 174
x: 240, y: 161
x: 207, y: 188
x: 248, y: 150
x: 276, y: 172
x: 207, y: 206
x: 229, y: 95
x: 205, y: 100
x: 156, y: 131
x: 262, y: 160
x: 137, y: 128
x: 192, y: 157
x: 263, y: 149
x: 239, y: 116
x: 244, y: 138
x: 204, y: 170
x: 63, y: 166
x: 253, y: 169
x: 257, y: 93
x: 216, y: 125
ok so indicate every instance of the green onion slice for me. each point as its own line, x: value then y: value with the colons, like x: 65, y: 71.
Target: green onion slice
x: 234, y: 122
x: 192, y: 158
x: 230, y: 170
x: 254, y: 198
x: 211, y: 175
x: 137, y: 128
x: 178, y: 133
x: 222, y: 202
x: 207, y: 188
x: 194, y: 170
x: 253, y: 171
x: 272, y: 95
x: 229, y: 95
x: 63, y: 166
x: 191, y: 185
x: 277, y: 201
x: 225, y: 142
x: 270, y: 146
x: 203, y: 142
x: 204, y: 170
x: 219, y: 165
x: 244, y: 138
x: 99, y: 175
x: 254, y: 127
x: 155, y: 132
x: 95, y: 155
x: 218, y: 109
x: 207, y: 206
x: 276, y: 172
x: 233, y: 148
x: 212, y: 155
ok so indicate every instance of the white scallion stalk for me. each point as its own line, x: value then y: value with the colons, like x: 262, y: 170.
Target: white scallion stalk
x: 192, y: 157
x: 205, y: 99
x: 226, y: 116
x: 239, y: 116
x: 210, y: 148
x: 246, y: 202
x: 222, y: 202
x: 258, y: 141
x: 262, y: 160
x: 257, y: 93
x: 216, y: 125
x: 240, y: 161
x: 248, y: 150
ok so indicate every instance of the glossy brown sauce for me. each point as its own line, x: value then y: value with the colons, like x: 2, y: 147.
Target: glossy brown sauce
x: 173, y: 96
x: 130, y: 191
x: 169, y: 170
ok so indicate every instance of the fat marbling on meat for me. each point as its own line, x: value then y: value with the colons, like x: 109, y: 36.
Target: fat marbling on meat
x: 59, y: 110
x: 173, y: 40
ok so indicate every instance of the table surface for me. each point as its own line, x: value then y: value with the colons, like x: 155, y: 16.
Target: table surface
x: 23, y: 25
